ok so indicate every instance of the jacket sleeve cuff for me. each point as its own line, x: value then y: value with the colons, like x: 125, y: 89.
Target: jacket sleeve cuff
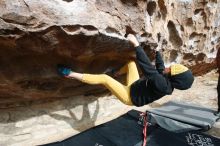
x: 138, y: 47
x: 158, y: 53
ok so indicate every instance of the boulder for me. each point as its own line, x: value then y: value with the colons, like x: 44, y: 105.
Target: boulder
x: 35, y: 35
x: 37, y: 106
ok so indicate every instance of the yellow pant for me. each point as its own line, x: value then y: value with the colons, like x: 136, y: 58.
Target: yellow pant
x: 122, y: 92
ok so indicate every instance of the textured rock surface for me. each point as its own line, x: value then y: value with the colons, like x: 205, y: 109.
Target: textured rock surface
x: 88, y: 35
x: 35, y: 35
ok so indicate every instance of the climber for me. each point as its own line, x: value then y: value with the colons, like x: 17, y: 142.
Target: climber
x: 157, y: 82
x: 218, y: 86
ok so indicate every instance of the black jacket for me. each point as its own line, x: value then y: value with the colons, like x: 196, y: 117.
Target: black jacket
x: 155, y: 85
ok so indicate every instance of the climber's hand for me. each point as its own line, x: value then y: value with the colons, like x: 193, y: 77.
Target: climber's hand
x: 131, y: 38
x: 63, y: 70
x: 159, y: 47
x: 160, y: 44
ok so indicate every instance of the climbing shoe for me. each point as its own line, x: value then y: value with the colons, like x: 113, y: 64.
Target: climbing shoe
x: 63, y: 70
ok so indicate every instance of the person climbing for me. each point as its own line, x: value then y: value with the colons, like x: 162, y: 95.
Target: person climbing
x: 157, y: 82
x: 218, y: 85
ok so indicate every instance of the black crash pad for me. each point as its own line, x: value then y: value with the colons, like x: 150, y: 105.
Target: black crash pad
x: 127, y: 129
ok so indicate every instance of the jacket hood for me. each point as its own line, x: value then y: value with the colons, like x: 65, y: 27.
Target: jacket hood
x: 183, y: 80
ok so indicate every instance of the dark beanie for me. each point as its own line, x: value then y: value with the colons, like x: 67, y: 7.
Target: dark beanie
x: 183, y: 80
